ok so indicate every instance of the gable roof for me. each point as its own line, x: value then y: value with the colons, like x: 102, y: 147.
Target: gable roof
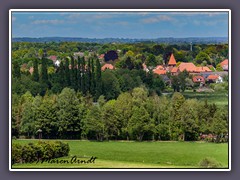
x: 202, y: 69
x: 174, y: 70
x: 212, y: 77
x: 159, y: 71
x: 52, y: 57
x: 172, y: 60
x: 198, y: 79
x: 107, y: 66
x: 190, y: 67
x: 224, y: 62
x: 159, y: 67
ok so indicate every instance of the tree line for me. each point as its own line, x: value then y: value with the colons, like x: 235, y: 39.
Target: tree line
x: 83, y: 75
x: 133, y: 115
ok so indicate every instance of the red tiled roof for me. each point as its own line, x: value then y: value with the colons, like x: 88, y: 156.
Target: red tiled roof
x: 101, y: 56
x: 159, y: 67
x: 53, y: 58
x: 202, y: 69
x: 198, y: 79
x: 107, y: 66
x: 159, y: 71
x: 174, y: 70
x: 224, y: 62
x: 172, y: 60
x: 190, y: 67
x: 31, y: 70
x: 212, y: 77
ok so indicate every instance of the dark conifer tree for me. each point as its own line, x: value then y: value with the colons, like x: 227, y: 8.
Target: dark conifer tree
x: 35, y: 70
x: 67, y: 73
x: 83, y: 75
x: 44, y: 73
x: 16, y: 70
x: 93, y: 81
x: 98, y: 77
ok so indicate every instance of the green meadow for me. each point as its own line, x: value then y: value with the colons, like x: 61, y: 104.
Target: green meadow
x: 129, y: 154
x: 219, y: 98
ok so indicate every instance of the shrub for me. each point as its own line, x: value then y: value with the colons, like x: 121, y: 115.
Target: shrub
x: 42, y: 150
x: 209, y: 163
x: 16, y: 153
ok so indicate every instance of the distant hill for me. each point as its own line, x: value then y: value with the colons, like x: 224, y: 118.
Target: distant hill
x: 169, y: 40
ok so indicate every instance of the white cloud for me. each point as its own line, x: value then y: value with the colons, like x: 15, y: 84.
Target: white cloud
x: 158, y: 18
x: 54, y: 21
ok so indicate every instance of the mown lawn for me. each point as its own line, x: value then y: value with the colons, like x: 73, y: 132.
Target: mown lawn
x: 117, y: 154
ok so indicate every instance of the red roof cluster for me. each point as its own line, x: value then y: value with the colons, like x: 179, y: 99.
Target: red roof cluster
x: 190, y: 67
x: 107, y: 66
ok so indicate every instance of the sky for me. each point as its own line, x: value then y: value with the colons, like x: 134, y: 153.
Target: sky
x: 144, y: 25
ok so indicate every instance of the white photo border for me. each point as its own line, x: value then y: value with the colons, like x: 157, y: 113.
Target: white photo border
x: 119, y: 10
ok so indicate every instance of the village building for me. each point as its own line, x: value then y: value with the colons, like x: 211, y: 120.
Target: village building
x: 107, y: 66
x: 212, y: 78
x: 224, y: 64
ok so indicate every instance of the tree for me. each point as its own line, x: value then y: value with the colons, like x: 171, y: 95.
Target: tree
x: 68, y: 114
x: 111, y: 88
x: 93, y: 80
x: 151, y: 60
x: 16, y: 70
x: 94, y: 124
x: 124, y: 110
x: 35, y: 71
x: 111, y: 120
x: 46, y: 116
x: 177, y: 102
x: 98, y: 77
x: 67, y: 73
x: 44, y: 72
x: 202, y: 56
x: 189, y: 120
x: 140, y: 123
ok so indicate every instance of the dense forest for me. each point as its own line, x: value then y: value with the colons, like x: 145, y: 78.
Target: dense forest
x: 78, y: 100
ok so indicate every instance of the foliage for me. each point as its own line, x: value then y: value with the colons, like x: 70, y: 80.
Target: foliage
x: 42, y: 150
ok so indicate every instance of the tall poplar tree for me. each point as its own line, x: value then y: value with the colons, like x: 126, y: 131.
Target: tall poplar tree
x: 98, y: 77
x: 35, y: 70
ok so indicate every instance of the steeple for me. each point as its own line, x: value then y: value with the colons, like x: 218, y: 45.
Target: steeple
x: 172, y: 61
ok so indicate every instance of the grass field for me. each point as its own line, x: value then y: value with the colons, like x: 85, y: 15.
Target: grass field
x: 117, y: 154
x: 219, y: 98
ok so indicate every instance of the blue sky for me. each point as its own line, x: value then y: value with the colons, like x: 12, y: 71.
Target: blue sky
x: 119, y: 24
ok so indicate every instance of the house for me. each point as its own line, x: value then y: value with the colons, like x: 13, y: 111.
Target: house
x: 101, y: 56
x: 107, y: 66
x: 202, y: 69
x: 31, y: 70
x: 160, y: 71
x: 198, y: 79
x: 53, y: 58
x: 57, y: 63
x: 145, y: 68
x: 214, y: 78
x: 224, y: 64
x: 174, y: 71
x: 189, y: 67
